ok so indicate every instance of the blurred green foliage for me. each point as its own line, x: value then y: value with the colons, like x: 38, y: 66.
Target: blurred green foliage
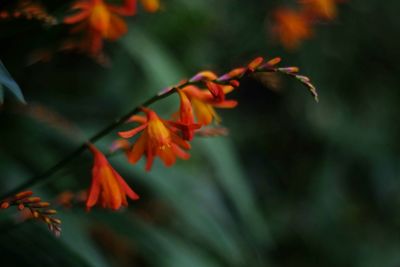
x: 294, y: 184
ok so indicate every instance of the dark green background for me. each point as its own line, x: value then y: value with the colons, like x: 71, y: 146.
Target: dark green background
x: 294, y: 184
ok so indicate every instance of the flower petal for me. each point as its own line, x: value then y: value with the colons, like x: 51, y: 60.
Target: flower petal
x: 133, y: 132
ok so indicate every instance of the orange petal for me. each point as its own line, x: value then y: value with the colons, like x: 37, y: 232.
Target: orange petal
x: 167, y: 156
x: 77, y: 17
x: 180, y: 142
x: 226, y: 104
x: 133, y: 132
x: 149, y: 160
x: 180, y: 152
x: 125, y: 187
x: 94, y: 191
x: 117, y: 28
x: 137, y: 118
x: 138, y: 149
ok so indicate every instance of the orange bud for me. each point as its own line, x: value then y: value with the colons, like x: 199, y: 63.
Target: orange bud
x: 234, y: 83
x: 270, y: 63
x: 23, y: 195
x: 32, y: 200
x: 274, y: 61
x: 235, y: 73
x: 289, y: 69
x: 255, y: 63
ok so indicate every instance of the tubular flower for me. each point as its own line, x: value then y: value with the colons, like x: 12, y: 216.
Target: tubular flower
x: 291, y: 27
x: 158, y: 138
x: 100, y: 21
x: 203, y: 102
x: 108, y: 186
x: 186, y: 121
x: 325, y: 9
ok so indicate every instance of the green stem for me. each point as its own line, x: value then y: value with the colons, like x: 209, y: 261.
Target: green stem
x: 58, y: 166
x: 119, y: 121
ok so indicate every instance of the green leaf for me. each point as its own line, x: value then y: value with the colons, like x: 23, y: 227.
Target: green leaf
x: 1, y: 94
x: 8, y: 82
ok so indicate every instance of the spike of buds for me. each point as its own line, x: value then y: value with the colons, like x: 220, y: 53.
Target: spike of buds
x: 25, y: 200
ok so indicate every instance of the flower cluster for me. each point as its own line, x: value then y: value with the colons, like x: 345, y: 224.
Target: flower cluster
x: 292, y: 27
x: 169, y: 139
x: 38, y: 209
x: 97, y: 20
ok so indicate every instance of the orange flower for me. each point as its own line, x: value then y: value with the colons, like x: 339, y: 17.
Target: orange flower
x: 291, y: 27
x: 101, y: 21
x: 203, y: 101
x: 151, y: 5
x: 107, y: 185
x: 157, y: 139
x: 186, y: 118
x: 325, y: 9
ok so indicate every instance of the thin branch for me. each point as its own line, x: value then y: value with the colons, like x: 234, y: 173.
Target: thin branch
x: 267, y: 67
x: 58, y: 166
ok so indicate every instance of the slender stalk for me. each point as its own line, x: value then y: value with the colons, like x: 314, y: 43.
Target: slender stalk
x: 290, y: 71
x: 59, y: 165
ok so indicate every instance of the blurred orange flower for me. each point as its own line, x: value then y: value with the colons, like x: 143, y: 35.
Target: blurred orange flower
x: 101, y: 21
x: 107, y: 186
x: 157, y: 139
x: 325, y: 9
x: 151, y: 5
x: 203, y: 101
x: 291, y: 27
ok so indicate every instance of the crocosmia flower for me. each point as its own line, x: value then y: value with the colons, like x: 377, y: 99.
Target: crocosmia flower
x: 325, y: 9
x: 204, y: 102
x: 99, y: 21
x: 291, y: 27
x: 186, y: 123
x: 108, y: 187
x: 158, y: 138
x: 151, y: 5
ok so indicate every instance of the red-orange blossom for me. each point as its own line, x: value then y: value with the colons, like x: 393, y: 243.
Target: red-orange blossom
x: 107, y: 187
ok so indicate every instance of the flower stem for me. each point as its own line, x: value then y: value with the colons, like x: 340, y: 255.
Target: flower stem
x: 59, y: 165
x: 290, y: 71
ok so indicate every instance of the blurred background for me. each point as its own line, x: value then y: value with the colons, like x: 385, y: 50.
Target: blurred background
x: 294, y: 184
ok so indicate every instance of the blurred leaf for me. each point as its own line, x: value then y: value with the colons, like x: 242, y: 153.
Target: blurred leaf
x: 162, y: 69
x: 1, y: 94
x: 76, y: 238
x: 232, y: 178
x: 8, y: 82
